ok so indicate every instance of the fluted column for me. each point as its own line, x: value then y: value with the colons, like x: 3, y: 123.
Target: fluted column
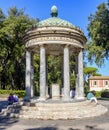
x: 42, y: 73
x: 28, y: 75
x: 80, y: 75
x: 66, y: 74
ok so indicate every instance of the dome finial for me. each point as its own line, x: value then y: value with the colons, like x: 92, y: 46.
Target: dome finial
x: 54, y: 11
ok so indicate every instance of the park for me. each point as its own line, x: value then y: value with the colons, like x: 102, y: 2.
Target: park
x: 54, y: 51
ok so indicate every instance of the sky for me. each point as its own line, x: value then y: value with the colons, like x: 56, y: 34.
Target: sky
x: 74, y: 11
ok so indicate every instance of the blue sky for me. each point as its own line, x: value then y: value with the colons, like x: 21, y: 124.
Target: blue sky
x: 74, y: 11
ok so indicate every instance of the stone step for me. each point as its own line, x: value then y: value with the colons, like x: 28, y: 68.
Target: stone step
x: 56, y: 110
x: 50, y: 107
x: 61, y: 115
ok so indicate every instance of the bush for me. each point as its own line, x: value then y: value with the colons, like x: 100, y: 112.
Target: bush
x: 98, y: 94
x: 105, y: 94
x: 19, y: 93
x: 86, y: 90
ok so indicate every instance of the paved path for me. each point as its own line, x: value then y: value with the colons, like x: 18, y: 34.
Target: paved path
x: 95, y: 123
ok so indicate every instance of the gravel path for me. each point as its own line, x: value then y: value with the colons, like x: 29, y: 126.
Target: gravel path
x: 95, y: 123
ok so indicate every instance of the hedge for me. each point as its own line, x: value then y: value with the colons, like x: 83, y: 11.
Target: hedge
x: 105, y: 94
x: 19, y: 93
x: 102, y: 94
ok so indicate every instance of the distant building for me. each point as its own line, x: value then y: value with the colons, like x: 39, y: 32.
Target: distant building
x: 99, y: 83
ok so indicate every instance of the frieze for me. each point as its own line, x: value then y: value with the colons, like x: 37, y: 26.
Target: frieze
x: 44, y: 39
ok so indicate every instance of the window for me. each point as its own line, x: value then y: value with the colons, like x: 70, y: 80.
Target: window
x: 95, y: 83
x: 106, y: 82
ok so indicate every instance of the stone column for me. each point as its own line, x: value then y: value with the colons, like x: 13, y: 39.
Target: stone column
x: 62, y: 77
x: 28, y: 75
x: 77, y: 80
x: 47, y: 94
x: 32, y: 75
x: 66, y: 74
x: 42, y: 73
x: 80, y: 75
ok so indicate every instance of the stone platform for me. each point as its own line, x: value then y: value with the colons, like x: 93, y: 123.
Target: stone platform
x: 54, y: 110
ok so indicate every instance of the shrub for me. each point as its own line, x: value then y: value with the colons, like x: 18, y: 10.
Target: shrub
x: 86, y: 90
x: 19, y: 93
x: 98, y: 94
x: 105, y: 94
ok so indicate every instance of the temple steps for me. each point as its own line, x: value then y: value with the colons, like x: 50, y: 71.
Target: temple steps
x: 50, y: 110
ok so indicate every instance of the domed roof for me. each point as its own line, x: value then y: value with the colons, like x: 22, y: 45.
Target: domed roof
x: 54, y: 20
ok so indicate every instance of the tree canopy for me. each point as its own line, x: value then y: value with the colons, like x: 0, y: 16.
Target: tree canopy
x: 91, y: 71
x: 12, y: 51
x: 98, y: 32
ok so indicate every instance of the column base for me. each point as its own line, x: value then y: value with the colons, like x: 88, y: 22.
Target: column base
x: 47, y: 96
x: 27, y: 98
x: 79, y: 98
x: 56, y: 98
x: 66, y: 98
x: 41, y: 99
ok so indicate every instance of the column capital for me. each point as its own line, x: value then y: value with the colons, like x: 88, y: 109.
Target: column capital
x: 42, y: 45
x: 66, y: 45
x: 81, y: 50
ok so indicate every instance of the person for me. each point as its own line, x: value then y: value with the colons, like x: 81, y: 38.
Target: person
x: 10, y: 99
x: 16, y: 99
x: 72, y: 92
x: 91, y: 96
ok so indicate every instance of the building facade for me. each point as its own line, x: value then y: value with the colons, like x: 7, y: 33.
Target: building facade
x: 99, y: 83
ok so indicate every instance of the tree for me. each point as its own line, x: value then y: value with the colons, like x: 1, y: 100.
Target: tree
x: 54, y: 69
x: 90, y: 71
x: 12, y: 56
x: 98, y: 28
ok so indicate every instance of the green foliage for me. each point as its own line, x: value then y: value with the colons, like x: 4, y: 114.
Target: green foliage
x: 36, y: 73
x: 98, y: 46
x: 54, y: 69
x: 105, y: 94
x: 72, y: 80
x: 95, y: 53
x: 12, y: 56
x: 90, y: 71
x: 86, y: 90
x: 19, y: 93
x: 98, y: 94
x: 72, y: 70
